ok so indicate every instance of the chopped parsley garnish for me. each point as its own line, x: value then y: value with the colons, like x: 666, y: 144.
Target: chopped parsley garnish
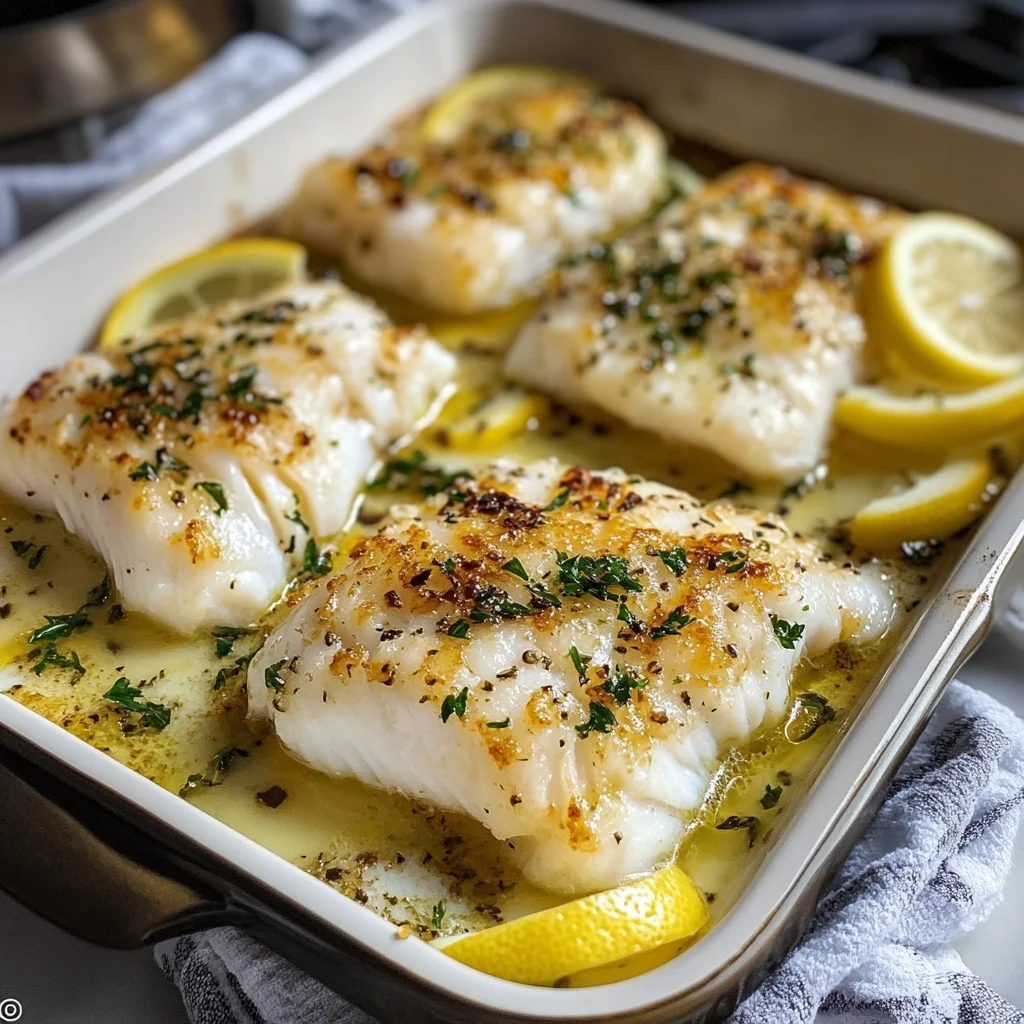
x: 459, y: 629
x: 226, y: 637
x: 771, y: 796
x: 413, y: 473
x: 674, y: 622
x: 127, y: 696
x: 98, y: 595
x: 503, y: 724
x: 514, y: 566
x: 24, y: 547
x: 59, y: 627
x: 544, y: 597
x: 579, y: 663
x: 225, y: 758
x: 693, y: 321
x: 493, y: 603
x: 749, y: 822
x: 241, y: 382
x: 626, y: 616
x: 821, y: 713
x: 315, y: 563
x: 735, y: 561
x: 835, y: 251
x: 296, y: 518
x: 621, y: 683
x: 144, y: 471
x: 437, y: 917
x: 164, y: 460
x: 215, y: 491
x: 454, y: 704
x: 583, y: 574
x: 279, y: 313
x: 272, y: 676
x: 601, y: 719
x: 195, y: 781
x: 558, y: 500
x: 219, y: 765
x: 675, y: 559
x: 51, y: 656
x: 787, y: 633
x: 240, y: 665
x: 745, y: 367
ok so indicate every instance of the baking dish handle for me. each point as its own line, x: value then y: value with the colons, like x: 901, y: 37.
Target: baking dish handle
x: 90, y: 872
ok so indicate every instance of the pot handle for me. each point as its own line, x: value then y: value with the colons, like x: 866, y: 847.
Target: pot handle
x: 90, y: 872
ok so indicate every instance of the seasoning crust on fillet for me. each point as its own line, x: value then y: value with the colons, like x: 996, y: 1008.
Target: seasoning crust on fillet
x: 562, y: 655
x: 480, y: 222
x: 208, y: 458
x: 729, y: 322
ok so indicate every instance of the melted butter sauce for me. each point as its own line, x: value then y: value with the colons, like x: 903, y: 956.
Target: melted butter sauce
x: 399, y: 858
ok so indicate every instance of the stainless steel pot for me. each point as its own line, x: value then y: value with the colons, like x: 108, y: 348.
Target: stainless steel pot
x: 102, y: 56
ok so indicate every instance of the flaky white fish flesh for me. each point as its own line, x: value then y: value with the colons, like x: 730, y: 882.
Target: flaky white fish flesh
x: 562, y: 655
x: 209, y: 458
x: 729, y: 322
x: 481, y: 221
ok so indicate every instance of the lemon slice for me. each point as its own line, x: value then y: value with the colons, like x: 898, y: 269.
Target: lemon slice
x: 492, y: 331
x: 495, y: 420
x: 932, y: 508
x: 947, y: 299
x: 451, y: 112
x: 600, y: 929
x: 930, y: 419
x: 233, y: 270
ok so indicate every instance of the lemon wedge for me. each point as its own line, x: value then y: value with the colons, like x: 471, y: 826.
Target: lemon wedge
x: 586, y: 933
x: 238, y: 269
x: 934, y: 507
x: 931, y: 419
x: 946, y: 298
x: 451, y: 112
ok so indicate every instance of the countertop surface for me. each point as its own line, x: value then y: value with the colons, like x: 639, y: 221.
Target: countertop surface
x: 60, y: 980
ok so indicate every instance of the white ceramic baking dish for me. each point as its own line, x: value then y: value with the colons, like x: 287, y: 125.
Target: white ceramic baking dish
x: 108, y: 854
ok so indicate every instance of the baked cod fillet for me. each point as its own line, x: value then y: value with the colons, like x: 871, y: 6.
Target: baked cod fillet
x: 562, y: 655
x: 729, y: 322
x: 206, y: 459
x: 480, y: 222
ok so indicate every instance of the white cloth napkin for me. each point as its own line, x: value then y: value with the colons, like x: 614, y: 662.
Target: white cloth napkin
x: 929, y: 869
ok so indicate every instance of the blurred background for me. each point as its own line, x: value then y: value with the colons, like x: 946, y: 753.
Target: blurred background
x: 72, y: 71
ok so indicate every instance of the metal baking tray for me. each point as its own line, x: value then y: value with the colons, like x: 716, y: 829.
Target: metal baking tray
x: 111, y: 856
